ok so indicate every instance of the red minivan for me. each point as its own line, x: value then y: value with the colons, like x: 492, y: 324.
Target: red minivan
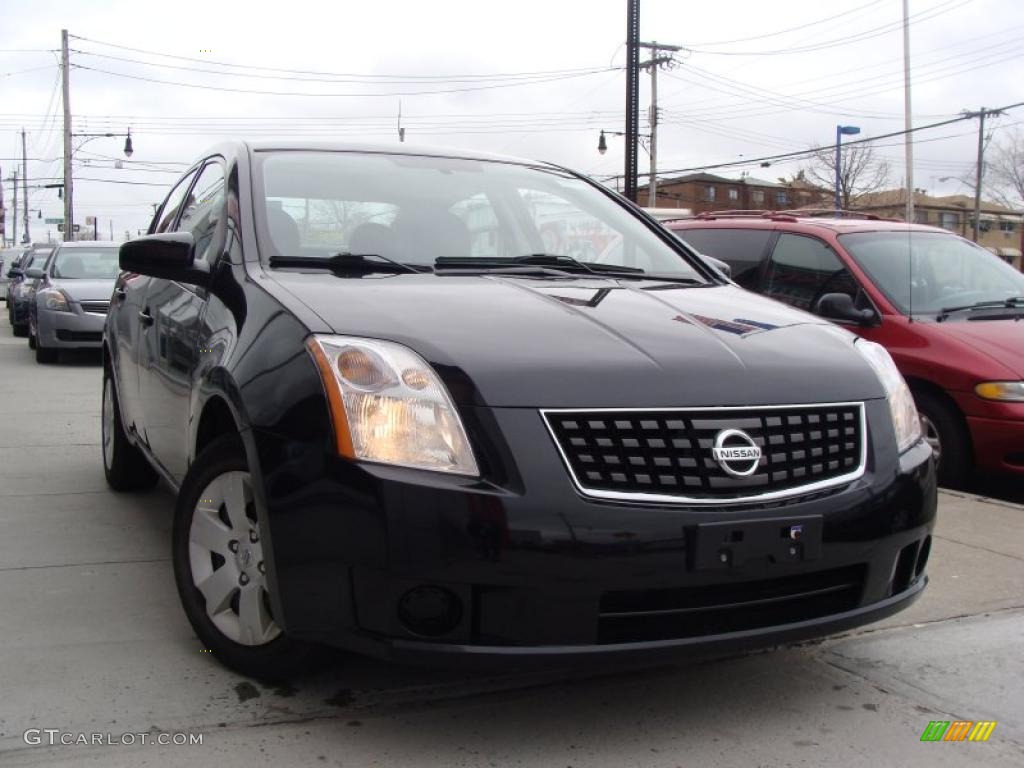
x: 950, y: 313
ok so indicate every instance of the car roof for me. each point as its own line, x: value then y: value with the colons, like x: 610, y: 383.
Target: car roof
x: 89, y: 244
x: 795, y: 222
x: 290, y: 145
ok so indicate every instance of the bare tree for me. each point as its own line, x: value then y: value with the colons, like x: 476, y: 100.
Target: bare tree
x: 1005, y: 169
x: 860, y: 173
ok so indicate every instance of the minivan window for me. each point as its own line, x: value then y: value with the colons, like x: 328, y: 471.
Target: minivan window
x: 944, y: 270
x: 416, y: 209
x: 803, y: 269
x: 741, y: 249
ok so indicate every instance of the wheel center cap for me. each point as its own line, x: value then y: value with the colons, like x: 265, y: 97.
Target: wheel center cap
x: 245, y: 557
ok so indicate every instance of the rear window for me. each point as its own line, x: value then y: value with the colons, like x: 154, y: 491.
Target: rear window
x: 741, y: 249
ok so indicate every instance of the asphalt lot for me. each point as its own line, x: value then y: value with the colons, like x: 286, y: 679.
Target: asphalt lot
x: 92, y: 640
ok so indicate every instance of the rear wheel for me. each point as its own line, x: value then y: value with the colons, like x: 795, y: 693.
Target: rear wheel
x: 945, y: 431
x: 124, y: 466
x: 31, y: 337
x: 220, y: 570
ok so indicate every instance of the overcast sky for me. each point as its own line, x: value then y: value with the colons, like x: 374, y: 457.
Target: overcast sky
x: 528, y: 78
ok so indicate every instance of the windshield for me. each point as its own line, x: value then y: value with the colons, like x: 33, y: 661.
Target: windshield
x: 416, y: 209
x: 926, y: 272
x: 85, y: 264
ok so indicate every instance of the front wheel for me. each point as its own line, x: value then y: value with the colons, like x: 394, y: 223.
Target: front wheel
x: 944, y: 430
x: 220, y: 570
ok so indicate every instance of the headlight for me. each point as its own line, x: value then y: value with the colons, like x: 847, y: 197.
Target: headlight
x: 1007, y: 391
x: 389, y: 406
x: 53, y: 299
x: 901, y: 403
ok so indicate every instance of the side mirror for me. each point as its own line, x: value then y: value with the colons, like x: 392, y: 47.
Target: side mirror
x: 14, y: 273
x: 839, y: 306
x: 718, y: 264
x: 34, y: 273
x: 169, y: 255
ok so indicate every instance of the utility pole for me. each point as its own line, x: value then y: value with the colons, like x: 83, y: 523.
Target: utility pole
x: 980, y: 171
x: 69, y: 222
x: 24, y: 186
x: 908, y: 137
x: 652, y: 65
x: 632, y: 95
x: 14, y: 224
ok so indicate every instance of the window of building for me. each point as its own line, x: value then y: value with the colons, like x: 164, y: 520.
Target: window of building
x: 782, y: 198
x: 709, y: 193
x: 1006, y: 226
x: 949, y: 220
x: 734, y: 194
x: 921, y: 217
x: 757, y: 198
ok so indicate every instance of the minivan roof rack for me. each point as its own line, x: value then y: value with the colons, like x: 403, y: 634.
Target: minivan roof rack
x: 747, y: 214
x: 832, y: 213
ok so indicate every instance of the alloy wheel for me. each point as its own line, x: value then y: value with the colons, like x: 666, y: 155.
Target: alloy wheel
x: 226, y: 561
x: 931, y: 436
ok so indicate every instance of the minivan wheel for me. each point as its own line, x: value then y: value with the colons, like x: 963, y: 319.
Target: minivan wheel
x: 220, y: 570
x: 944, y: 430
x: 124, y: 466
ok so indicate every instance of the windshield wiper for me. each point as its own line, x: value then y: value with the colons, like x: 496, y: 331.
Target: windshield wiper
x: 350, y: 262
x: 561, y: 264
x: 1008, y: 303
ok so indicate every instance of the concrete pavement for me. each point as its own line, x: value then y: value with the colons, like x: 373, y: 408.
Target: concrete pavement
x: 92, y: 640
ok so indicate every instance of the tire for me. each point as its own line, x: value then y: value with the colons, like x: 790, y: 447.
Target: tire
x: 43, y: 354
x: 219, y: 570
x: 32, y: 340
x: 124, y: 466
x: 19, y: 330
x: 944, y: 428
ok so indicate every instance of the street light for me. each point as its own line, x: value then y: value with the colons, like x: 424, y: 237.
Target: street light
x: 841, y: 130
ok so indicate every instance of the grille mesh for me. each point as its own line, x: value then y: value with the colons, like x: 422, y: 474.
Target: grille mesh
x: 669, y: 452
x: 98, y: 307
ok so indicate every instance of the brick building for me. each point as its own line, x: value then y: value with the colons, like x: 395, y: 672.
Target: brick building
x: 1001, y: 230
x: 702, y: 192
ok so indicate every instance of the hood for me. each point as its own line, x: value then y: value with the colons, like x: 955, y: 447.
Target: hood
x: 85, y: 290
x: 587, y: 342
x: 1002, y: 340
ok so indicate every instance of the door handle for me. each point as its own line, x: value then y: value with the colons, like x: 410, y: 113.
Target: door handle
x: 119, y: 294
x: 145, y: 318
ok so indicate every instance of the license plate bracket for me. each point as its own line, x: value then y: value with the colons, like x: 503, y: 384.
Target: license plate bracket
x: 724, y: 545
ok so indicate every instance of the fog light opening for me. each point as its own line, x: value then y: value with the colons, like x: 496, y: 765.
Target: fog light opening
x: 429, y: 611
x: 922, y: 557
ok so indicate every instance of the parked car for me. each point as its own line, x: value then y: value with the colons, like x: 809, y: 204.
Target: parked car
x: 21, y: 288
x: 71, y: 299
x: 386, y: 438
x: 8, y: 258
x: 948, y: 311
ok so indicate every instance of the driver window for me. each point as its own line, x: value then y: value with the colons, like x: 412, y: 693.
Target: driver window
x: 169, y: 210
x: 203, y: 209
x: 802, y: 269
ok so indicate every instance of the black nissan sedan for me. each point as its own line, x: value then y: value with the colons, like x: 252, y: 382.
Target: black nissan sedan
x: 405, y: 416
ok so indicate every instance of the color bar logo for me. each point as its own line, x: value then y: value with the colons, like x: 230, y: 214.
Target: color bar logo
x: 958, y: 730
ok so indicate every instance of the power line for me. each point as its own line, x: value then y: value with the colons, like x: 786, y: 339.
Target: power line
x: 847, y: 39
x: 332, y: 74
x: 790, y: 29
x: 806, y: 152
x: 488, y: 87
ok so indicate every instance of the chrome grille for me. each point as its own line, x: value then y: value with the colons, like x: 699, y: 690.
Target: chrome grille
x: 96, y: 307
x: 666, y: 454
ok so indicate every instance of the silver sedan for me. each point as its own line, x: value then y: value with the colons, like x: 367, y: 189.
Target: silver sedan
x: 72, y: 298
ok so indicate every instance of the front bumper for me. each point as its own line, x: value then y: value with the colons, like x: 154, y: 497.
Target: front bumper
x: 998, y: 444
x: 541, y: 572
x: 69, y: 330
